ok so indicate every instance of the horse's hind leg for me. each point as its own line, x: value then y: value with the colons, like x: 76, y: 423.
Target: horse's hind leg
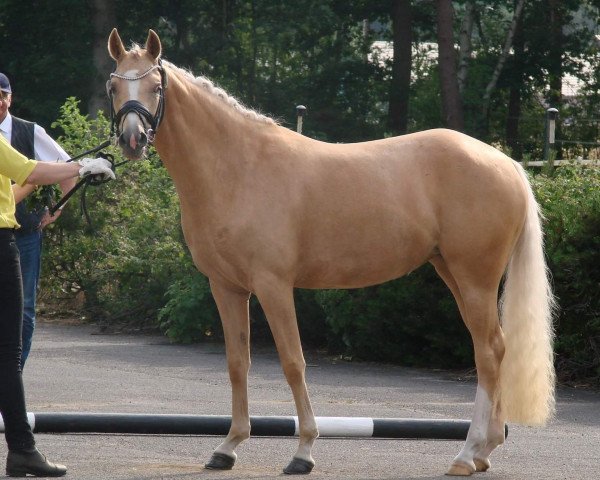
x: 477, y: 302
x: 277, y: 301
x: 233, y: 310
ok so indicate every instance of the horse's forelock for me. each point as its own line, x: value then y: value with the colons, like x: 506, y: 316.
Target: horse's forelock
x: 136, y: 53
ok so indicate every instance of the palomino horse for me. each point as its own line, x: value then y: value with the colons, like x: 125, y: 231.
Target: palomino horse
x: 265, y: 210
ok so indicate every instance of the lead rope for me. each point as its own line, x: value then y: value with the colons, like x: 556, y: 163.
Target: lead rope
x: 89, y: 180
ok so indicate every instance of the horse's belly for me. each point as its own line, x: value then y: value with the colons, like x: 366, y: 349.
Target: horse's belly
x: 354, y: 264
x: 350, y: 278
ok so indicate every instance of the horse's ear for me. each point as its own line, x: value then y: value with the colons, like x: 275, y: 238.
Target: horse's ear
x: 153, y: 46
x: 115, y: 45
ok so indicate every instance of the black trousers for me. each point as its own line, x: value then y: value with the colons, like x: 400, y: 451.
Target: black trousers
x: 12, y: 396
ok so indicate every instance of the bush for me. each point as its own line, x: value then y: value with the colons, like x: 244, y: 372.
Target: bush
x: 571, y: 202
x: 190, y: 314
x: 411, y: 321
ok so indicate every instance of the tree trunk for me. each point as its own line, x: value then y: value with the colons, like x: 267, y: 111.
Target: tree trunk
x: 555, y: 39
x: 556, y: 71
x: 254, y: 42
x: 466, y: 48
x: 512, y: 123
x: 452, y: 109
x: 402, y: 63
x: 103, y: 20
x: 502, y: 60
x: 513, y: 118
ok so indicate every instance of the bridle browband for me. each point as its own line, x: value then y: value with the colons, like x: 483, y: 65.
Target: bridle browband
x: 153, y: 121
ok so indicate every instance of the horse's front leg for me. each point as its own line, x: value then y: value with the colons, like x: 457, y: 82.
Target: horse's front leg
x: 277, y: 301
x: 233, y: 309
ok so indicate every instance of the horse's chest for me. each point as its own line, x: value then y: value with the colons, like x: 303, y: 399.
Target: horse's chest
x: 215, y: 251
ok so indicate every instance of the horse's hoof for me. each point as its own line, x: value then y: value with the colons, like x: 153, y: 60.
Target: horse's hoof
x: 220, y: 461
x: 298, y: 466
x: 460, y: 470
x: 481, y: 464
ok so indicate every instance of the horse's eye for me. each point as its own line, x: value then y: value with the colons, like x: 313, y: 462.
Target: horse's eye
x: 158, y: 88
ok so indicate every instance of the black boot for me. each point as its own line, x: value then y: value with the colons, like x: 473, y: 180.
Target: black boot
x: 32, y: 462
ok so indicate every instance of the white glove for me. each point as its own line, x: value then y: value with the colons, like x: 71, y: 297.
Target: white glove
x: 96, y: 166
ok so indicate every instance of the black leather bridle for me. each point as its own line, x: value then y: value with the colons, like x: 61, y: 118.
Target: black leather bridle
x: 149, y: 120
x: 152, y: 121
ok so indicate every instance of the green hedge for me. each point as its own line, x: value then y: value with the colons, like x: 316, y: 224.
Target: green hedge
x: 571, y: 202
x: 134, y: 267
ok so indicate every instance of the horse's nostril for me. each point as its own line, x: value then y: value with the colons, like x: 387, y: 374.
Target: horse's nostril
x: 143, y: 139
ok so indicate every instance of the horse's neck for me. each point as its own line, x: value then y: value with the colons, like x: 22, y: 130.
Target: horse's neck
x: 203, y: 145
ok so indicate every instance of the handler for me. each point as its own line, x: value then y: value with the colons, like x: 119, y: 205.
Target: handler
x: 32, y: 141
x: 23, y: 457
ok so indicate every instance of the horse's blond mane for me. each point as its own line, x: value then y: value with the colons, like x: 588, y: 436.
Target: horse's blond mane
x: 221, y: 94
x: 214, y: 90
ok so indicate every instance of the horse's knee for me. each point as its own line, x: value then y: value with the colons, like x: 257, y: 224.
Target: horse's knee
x: 238, y: 370
x: 294, y: 371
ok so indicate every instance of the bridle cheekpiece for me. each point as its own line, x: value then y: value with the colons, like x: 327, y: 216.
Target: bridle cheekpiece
x: 153, y: 121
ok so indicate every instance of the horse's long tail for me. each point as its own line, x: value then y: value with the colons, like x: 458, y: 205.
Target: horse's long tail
x: 527, y: 378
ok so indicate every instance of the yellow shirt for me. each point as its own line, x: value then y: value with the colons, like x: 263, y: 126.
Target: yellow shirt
x: 13, y: 166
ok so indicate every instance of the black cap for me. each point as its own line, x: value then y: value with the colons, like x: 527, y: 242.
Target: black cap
x: 4, y: 83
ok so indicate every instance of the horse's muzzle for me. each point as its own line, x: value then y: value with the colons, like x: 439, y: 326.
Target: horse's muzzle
x: 133, y: 142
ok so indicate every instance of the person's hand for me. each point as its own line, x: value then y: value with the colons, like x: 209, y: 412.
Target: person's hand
x: 96, y: 166
x: 47, y: 219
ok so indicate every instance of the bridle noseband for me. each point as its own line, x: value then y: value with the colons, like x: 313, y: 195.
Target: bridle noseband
x: 153, y: 121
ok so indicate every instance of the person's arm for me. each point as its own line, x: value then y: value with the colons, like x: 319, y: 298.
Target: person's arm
x: 20, y: 192
x: 46, y: 173
x: 25, y: 171
x: 46, y: 148
x: 67, y: 185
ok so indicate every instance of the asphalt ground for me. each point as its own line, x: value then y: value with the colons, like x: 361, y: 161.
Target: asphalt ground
x: 75, y: 369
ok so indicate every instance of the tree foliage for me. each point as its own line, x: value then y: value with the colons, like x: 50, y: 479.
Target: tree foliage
x: 276, y: 55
